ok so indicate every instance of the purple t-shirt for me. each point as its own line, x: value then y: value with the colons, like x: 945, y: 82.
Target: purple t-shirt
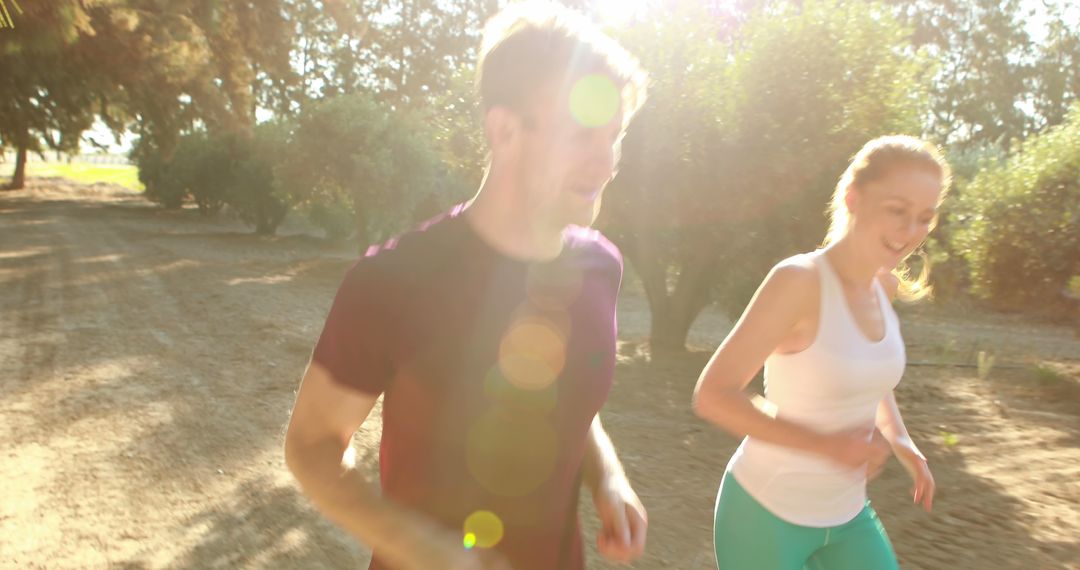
x: 492, y: 369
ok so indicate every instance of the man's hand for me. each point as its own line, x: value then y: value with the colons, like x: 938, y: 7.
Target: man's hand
x: 623, y: 521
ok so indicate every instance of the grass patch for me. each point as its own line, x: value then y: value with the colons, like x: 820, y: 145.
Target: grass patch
x: 949, y: 439
x: 125, y: 175
x: 1048, y: 375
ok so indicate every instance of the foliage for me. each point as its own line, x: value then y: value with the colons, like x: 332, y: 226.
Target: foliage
x: 352, y: 159
x: 732, y: 160
x: 1019, y: 220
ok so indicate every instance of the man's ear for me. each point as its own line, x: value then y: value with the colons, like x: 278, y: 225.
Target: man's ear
x: 502, y: 127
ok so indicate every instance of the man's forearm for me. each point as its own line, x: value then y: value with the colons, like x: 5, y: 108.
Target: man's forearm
x: 345, y: 497
x: 600, y: 463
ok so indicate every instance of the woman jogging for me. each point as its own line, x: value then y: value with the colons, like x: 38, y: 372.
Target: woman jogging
x: 822, y: 324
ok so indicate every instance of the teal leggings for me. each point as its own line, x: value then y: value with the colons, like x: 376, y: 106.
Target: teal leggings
x: 749, y: 537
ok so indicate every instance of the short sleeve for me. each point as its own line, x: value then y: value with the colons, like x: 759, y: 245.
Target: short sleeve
x: 355, y: 345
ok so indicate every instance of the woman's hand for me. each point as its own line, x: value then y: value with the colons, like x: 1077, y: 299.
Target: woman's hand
x: 915, y: 464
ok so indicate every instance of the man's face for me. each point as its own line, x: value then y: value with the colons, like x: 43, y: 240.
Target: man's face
x: 569, y: 150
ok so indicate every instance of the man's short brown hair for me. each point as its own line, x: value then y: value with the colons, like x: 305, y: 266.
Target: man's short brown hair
x: 529, y: 44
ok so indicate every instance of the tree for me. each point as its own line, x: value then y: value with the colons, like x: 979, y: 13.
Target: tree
x: 1057, y: 68
x: 168, y: 66
x: 405, y: 52
x: 50, y: 88
x: 732, y: 160
x: 985, y: 60
x: 193, y: 63
x: 454, y: 123
x: 355, y: 166
x: 1017, y: 221
x: 998, y: 81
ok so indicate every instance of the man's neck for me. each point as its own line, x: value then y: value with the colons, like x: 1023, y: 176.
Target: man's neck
x: 500, y: 216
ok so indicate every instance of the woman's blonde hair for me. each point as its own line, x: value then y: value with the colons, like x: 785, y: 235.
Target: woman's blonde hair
x: 874, y: 161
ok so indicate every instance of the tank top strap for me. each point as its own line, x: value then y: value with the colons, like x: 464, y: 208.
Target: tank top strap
x: 831, y: 294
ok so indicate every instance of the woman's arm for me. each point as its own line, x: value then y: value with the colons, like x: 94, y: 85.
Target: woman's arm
x: 891, y: 425
x: 787, y: 295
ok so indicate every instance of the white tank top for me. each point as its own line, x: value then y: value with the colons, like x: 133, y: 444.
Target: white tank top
x: 833, y: 385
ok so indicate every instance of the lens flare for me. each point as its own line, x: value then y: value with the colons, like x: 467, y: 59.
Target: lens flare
x: 501, y: 392
x: 532, y: 353
x: 469, y: 541
x: 594, y: 100
x: 554, y: 290
x: 485, y: 528
x: 511, y: 453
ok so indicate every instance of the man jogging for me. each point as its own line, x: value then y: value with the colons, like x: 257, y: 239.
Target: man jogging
x: 490, y: 333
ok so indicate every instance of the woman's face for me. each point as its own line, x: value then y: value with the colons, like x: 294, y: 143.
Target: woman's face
x: 892, y: 216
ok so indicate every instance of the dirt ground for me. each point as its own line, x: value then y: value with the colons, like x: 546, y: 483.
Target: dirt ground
x: 148, y: 361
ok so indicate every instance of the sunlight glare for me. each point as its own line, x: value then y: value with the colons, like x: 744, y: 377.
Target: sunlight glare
x: 619, y: 13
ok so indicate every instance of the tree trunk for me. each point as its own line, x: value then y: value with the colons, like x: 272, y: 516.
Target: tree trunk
x: 672, y: 313
x: 672, y: 320
x: 673, y: 310
x: 18, y: 179
x: 668, y: 332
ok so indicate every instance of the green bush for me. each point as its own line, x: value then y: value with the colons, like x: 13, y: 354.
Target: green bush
x: 203, y: 164
x: 1020, y: 221
x: 332, y: 214
x: 199, y: 169
x: 352, y: 164
x: 256, y: 193
x: 152, y: 168
x: 348, y: 163
x: 949, y: 270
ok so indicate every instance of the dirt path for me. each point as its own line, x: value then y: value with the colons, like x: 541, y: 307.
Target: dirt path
x: 148, y: 361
